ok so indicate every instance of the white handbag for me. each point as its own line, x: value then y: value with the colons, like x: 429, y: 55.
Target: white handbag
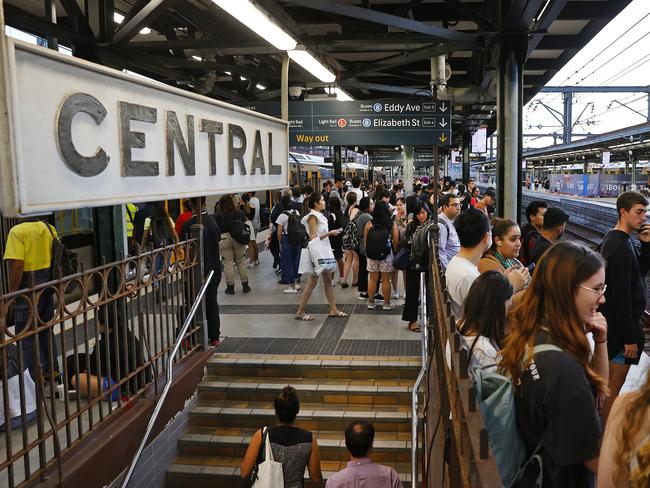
x: 322, y: 256
x: 269, y: 472
x: 306, y: 266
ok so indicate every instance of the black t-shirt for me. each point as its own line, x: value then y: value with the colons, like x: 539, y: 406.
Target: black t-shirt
x: 211, y: 238
x: 556, y: 406
x: 540, y: 247
x: 625, y: 298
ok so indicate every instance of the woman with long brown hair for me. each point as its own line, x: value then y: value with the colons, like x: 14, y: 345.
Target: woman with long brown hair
x: 558, y: 392
x: 625, y: 454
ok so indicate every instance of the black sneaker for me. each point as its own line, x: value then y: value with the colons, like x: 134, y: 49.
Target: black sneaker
x: 379, y: 297
x: 246, y: 288
x: 230, y: 289
x: 363, y: 296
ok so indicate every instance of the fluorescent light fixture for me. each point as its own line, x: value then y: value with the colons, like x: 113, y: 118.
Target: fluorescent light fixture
x: 197, y: 58
x: 260, y: 87
x: 228, y: 73
x: 118, y: 18
x: 243, y: 78
x: 311, y: 64
x: 259, y: 22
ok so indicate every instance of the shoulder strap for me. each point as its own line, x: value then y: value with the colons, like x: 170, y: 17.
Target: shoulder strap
x: 268, y: 452
x: 545, y: 347
x: 54, y: 238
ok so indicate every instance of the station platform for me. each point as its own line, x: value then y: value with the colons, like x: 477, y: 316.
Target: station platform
x: 262, y: 321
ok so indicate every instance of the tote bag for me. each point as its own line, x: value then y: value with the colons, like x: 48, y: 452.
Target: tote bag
x: 306, y: 267
x: 269, y: 473
x: 322, y: 256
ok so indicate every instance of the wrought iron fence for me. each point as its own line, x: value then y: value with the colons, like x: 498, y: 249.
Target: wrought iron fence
x: 457, y: 443
x: 67, y: 367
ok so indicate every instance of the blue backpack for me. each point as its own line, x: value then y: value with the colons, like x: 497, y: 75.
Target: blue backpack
x: 496, y: 396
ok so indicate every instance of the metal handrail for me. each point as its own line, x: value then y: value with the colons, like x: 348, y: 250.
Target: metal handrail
x: 168, y: 379
x: 416, y: 387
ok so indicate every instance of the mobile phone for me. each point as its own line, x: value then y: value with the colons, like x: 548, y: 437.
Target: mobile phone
x: 530, y: 267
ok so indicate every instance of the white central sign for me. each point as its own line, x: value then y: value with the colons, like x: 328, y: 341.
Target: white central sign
x: 81, y: 135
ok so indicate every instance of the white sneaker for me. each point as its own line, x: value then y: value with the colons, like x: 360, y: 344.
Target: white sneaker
x: 250, y: 265
x: 388, y: 307
x: 290, y: 291
x: 256, y: 263
x: 396, y: 294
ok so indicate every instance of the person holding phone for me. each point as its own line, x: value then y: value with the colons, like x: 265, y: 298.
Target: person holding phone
x: 627, y: 267
x: 503, y: 253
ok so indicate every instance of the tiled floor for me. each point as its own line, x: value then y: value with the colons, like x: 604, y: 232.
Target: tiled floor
x: 262, y: 322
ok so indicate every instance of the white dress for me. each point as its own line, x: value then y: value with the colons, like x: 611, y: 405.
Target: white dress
x: 323, y: 228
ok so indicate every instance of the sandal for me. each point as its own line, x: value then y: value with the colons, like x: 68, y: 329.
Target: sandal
x: 305, y: 317
x: 338, y: 314
x: 414, y: 327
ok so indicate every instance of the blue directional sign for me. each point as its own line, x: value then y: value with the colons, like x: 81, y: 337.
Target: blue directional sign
x: 367, y: 123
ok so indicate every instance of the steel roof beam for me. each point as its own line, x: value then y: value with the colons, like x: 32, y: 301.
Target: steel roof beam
x: 129, y: 29
x: 403, y: 59
x: 473, y: 15
x: 80, y: 22
x: 20, y: 19
x: 435, y: 32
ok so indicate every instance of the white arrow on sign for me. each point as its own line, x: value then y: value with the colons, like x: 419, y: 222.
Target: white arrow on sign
x: 443, y: 107
x: 443, y: 123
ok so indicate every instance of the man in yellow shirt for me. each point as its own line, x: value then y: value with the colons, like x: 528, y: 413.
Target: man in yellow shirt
x: 29, y: 253
x: 130, y: 211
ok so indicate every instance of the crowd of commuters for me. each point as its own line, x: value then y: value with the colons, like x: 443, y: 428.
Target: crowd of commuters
x: 512, y: 289
x: 586, y: 305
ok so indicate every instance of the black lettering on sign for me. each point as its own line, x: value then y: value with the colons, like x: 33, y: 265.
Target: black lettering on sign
x: 130, y: 140
x: 258, y: 155
x: 273, y: 170
x: 82, y: 165
x: 174, y: 135
x: 236, y: 153
x: 212, y: 127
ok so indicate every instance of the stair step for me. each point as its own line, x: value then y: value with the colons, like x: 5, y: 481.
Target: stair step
x: 311, y: 416
x: 331, y: 444
x: 226, y: 365
x: 204, y: 471
x: 340, y: 392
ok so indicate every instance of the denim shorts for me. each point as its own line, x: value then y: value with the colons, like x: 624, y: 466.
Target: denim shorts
x: 619, y: 358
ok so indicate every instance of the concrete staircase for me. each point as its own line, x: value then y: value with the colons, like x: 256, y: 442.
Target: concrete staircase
x: 236, y: 399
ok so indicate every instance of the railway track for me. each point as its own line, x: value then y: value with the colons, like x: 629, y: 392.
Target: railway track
x: 584, y: 234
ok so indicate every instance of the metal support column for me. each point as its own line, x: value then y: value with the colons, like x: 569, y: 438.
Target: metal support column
x: 407, y: 169
x: 284, y: 87
x: 467, y: 141
x: 50, y: 14
x: 633, y: 185
x: 509, y: 133
x: 338, y: 162
x: 648, y: 117
x: 445, y: 164
x: 567, y: 97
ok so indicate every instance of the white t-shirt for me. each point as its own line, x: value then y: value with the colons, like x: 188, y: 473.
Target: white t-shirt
x: 460, y: 275
x: 484, y: 355
x: 283, y: 220
x: 255, y: 203
x: 360, y: 193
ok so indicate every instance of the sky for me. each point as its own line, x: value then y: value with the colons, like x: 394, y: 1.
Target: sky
x: 619, y: 55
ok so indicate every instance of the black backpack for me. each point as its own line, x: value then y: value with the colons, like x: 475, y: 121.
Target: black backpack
x: 296, y: 231
x: 350, y: 235
x: 378, y: 243
x: 160, y: 233
x: 420, y: 244
x: 239, y: 230
x: 61, y: 263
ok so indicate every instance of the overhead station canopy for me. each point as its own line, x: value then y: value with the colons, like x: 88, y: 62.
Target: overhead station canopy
x: 373, y: 49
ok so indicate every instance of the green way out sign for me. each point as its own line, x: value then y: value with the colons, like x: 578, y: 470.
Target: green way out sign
x: 368, y: 123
